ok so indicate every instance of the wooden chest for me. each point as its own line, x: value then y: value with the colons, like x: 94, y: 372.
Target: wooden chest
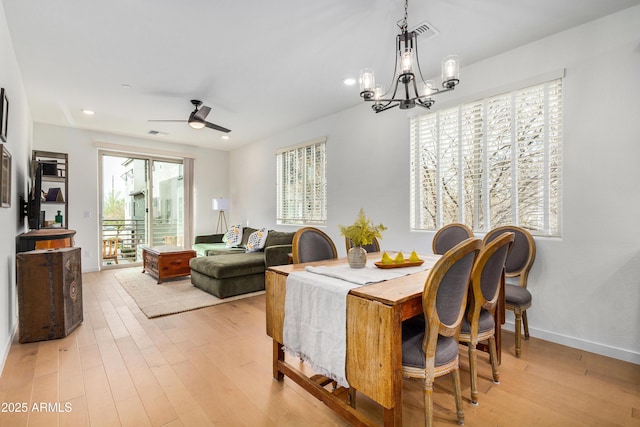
x: 49, y: 293
x: 165, y: 262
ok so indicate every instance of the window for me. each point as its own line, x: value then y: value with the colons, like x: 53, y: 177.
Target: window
x: 490, y: 163
x: 302, y: 184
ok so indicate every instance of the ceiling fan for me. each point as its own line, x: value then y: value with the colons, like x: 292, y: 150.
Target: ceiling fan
x: 197, y: 118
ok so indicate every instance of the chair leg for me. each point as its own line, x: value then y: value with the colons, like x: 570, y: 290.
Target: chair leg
x: 526, y: 324
x: 428, y: 402
x: 518, y: 314
x: 458, y: 396
x: 473, y: 374
x: 494, y: 360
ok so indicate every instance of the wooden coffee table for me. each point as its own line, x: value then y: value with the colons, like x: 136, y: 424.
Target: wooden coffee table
x: 164, y: 262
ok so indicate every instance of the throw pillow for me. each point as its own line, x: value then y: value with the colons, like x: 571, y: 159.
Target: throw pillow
x: 234, y: 236
x: 257, y: 240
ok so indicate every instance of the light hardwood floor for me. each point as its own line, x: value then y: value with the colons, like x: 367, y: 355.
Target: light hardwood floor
x: 213, y: 367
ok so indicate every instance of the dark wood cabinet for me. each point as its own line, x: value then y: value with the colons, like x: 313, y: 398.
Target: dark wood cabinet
x: 49, y: 293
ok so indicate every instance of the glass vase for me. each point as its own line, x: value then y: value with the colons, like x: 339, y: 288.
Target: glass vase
x: 357, y: 257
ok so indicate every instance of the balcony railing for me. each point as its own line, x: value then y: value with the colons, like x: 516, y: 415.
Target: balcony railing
x: 131, y: 233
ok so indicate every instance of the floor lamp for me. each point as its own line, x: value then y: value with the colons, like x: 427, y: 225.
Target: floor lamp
x: 221, y: 205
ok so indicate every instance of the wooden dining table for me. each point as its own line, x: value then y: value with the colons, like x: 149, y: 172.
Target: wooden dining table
x: 373, y: 340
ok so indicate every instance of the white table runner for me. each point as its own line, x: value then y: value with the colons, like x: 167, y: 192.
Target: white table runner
x: 315, y: 312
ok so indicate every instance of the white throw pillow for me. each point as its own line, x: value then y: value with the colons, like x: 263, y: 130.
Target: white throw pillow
x: 234, y: 236
x: 257, y: 239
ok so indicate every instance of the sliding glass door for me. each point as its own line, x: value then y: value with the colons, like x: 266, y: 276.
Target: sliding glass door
x: 168, y: 204
x: 142, y: 203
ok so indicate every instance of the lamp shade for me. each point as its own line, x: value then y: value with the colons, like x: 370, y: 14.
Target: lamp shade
x: 220, y: 204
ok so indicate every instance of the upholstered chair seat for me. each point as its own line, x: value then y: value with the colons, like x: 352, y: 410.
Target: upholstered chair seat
x: 412, y: 352
x: 517, y: 295
x: 485, y: 323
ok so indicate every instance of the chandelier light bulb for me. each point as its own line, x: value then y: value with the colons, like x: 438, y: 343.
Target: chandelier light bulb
x: 429, y: 88
x: 379, y: 92
x: 407, y: 59
x: 367, y: 80
x: 450, y: 71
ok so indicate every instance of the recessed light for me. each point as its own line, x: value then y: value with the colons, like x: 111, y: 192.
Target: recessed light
x: 126, y: 86
x: 349, y: 81
x: 88, y: 112
x: 225, y: 136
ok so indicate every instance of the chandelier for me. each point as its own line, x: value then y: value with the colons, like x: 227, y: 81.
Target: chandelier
x: 409, y: 87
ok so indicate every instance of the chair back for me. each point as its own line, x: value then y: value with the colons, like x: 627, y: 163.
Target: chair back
x: 311, y: 244
x: 486, y: 277
x: 449, y: 236
x: 110, y: 248
x: 522, y: 253
x: 445, y: 292
x: 373, y: 247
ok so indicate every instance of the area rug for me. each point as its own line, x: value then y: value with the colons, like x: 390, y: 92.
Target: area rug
x: 169, y: 297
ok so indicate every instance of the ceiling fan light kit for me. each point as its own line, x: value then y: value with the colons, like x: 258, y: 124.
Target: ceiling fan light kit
x: 195, y: 123
x: 408, y: 87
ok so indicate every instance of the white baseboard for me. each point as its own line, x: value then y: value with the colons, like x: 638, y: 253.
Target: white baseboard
x: 593, y: 347
x: 7, y: 348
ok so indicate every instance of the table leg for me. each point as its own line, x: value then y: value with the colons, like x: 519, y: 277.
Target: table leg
x: 278, y: 356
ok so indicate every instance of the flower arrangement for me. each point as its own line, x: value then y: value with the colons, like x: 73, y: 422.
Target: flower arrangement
x: 362, y: 231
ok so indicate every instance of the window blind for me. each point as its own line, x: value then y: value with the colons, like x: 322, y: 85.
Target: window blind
x: 493, y: 162
x: 301, y: 187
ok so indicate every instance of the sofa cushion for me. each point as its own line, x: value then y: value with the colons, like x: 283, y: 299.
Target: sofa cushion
x: 224, y: 251
x: 257, y: 240
x: 202, y: 248
x: 279, y: 238
x: 246, y: 233
x: 232, y: 265
x: 233, y: 237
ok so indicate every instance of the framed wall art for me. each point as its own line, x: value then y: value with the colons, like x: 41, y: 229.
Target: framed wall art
x: 4, y: 114
x: 5, y: 179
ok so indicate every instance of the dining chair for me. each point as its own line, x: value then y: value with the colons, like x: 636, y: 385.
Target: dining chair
x: 519, y: 261
x: 311, y: 244
x: 449, y: 236
x: 479, y: 320
x: 430, y: 342
x: 373, y: 247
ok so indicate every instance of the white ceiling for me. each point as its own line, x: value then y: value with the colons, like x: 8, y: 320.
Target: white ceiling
x: 262, y: 66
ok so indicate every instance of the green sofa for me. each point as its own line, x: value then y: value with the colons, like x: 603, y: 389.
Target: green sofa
x: 226, y: 272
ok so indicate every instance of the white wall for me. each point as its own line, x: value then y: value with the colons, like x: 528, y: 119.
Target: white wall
x: 211, y: 179
x: 18, y: 144
x: 586, y: 284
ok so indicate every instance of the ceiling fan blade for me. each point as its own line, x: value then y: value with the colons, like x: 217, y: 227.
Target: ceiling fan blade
x: 202, y: 113
x: 181, y: 121
x: 216, y: 127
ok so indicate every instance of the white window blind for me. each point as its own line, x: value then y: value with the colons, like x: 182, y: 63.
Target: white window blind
x: 489, y: 163
x: 301, y: 184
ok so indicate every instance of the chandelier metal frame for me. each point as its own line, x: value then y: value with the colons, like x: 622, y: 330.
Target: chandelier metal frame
x: 405, y: 92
